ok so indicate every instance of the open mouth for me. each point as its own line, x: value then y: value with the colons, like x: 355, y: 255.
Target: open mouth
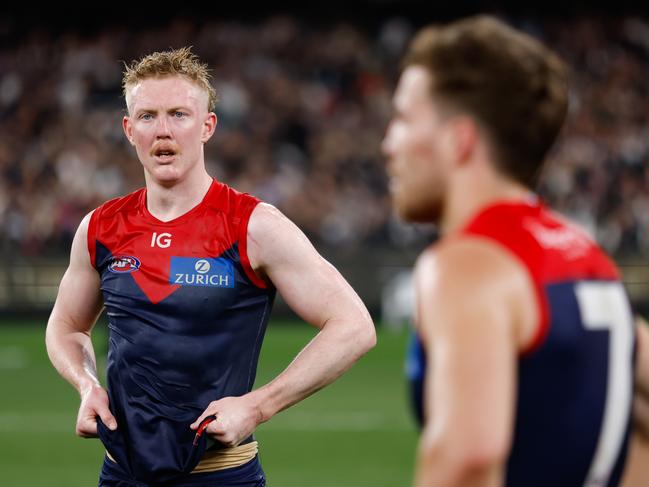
x: 164, y: 154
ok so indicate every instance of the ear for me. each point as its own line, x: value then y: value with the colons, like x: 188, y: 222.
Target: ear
x: 464, y: 139
x: 128, y: 129
x: 209, y: 126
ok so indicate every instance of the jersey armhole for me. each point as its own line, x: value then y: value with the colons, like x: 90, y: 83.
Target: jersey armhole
x: 543, y: 324
x: 243, y: 244
x: 92, y: 237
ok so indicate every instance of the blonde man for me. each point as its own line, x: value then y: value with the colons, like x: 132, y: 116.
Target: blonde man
x: 187, y: 269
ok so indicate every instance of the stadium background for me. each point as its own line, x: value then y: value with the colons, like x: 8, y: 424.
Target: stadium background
x: 304, y: 102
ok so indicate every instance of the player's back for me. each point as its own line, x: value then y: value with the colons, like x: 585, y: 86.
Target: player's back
x: 575, y: 383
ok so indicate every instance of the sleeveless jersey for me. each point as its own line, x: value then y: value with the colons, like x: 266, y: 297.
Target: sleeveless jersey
x: 186, y: 317
x: 575, y: 382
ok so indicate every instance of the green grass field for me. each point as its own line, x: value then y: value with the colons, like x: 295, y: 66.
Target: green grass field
x: 357, y: 432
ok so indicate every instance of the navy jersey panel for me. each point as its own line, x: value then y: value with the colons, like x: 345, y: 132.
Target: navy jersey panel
x: 562, y: 395
x: 416, y: 373
x: 249, y: 474
x: 186, y: 323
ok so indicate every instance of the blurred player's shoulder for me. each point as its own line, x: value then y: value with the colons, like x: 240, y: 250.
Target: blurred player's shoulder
x: 543, y: 239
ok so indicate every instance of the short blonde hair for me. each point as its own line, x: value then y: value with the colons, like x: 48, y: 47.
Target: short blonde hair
x: 176, y: 62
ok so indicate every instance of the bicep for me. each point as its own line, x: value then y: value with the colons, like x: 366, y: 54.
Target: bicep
x: 469, y: 334
x: 79, y: 301
x: 470, y: 389
x: 310, y: 285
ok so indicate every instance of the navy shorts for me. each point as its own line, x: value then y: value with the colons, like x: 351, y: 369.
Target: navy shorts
x: 247, y: 475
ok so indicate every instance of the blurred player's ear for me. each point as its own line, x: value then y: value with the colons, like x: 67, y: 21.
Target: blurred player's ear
x: 128, y: 129
x: 209, y: 125
x: 464, y: 137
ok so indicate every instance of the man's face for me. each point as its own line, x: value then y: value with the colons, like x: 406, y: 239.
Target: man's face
x: 168, y: 123
x: 416, y: 149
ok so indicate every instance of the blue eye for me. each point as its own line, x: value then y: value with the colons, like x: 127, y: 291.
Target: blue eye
x: 146, y: 116
x: 179, y: 114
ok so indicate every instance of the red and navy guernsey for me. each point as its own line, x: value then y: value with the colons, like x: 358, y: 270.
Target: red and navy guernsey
x: 186, y: 317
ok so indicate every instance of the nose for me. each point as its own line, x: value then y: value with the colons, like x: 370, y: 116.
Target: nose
x: 162, y: 128
x: 386, y: 143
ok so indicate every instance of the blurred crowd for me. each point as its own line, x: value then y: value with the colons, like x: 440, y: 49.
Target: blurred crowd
x: 303, y: 108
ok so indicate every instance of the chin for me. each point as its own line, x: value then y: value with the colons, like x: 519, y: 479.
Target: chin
x: 418, y: 213
x: 165, y: 175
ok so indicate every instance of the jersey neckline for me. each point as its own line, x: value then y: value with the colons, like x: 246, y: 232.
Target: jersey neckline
x: 531, y: 202
x: 180, y: 218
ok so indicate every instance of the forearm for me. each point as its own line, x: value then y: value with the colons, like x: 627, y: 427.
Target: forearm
x: 72, y: 354
x: 331, y: 352
x: 452, y: 456
x: 448, y: 470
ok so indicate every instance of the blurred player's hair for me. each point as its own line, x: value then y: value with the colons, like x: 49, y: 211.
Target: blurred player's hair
x: 513, y: 86
x: 176, y: 62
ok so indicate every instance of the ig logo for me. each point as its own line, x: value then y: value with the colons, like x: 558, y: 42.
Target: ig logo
x: 163, y: 240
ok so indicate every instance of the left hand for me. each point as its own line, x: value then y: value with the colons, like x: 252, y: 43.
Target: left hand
x: 236, y: 419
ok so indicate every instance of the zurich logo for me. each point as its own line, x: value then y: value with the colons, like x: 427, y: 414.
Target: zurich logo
x: 203, y: 271
x: 122, y: 264
x: 202, y: 266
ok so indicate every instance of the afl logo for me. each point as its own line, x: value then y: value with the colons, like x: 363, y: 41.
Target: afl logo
x: 202, y: 266
x: 123, y: 264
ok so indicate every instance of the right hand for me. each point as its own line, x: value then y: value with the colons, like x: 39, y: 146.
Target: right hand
x: 94, y: 402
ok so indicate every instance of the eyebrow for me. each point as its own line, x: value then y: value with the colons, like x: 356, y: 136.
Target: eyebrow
x: 179, y: 108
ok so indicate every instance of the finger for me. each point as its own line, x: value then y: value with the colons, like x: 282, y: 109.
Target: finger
x: 202, y: 427
x: 87, y: 428
x: 107, y: 418
x: 215, y: 428
x: 218, y: 432
x: 208, y: 412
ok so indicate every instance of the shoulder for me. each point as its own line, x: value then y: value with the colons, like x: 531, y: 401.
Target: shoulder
x: 273, y: 239
x: 471, y: 272
x: 80, y: 253
x: 82, y: 230
x: 468, y: 260
x: 228, y: 200
x: 265, y: 217
x: 266, y: 221
x: 120, y: 204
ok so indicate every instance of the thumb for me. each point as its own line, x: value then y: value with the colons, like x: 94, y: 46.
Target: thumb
x: 108, y: 419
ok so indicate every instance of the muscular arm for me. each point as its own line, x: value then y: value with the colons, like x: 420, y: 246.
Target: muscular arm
x: 67, y: 338
x: 467, y: 313
x: 317, y: 292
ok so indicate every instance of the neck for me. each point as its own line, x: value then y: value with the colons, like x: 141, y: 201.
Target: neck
x: 470, y: 193
x: 169, y: 201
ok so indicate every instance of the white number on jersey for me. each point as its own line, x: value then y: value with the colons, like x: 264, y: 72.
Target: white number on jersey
x: 604, y: 306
